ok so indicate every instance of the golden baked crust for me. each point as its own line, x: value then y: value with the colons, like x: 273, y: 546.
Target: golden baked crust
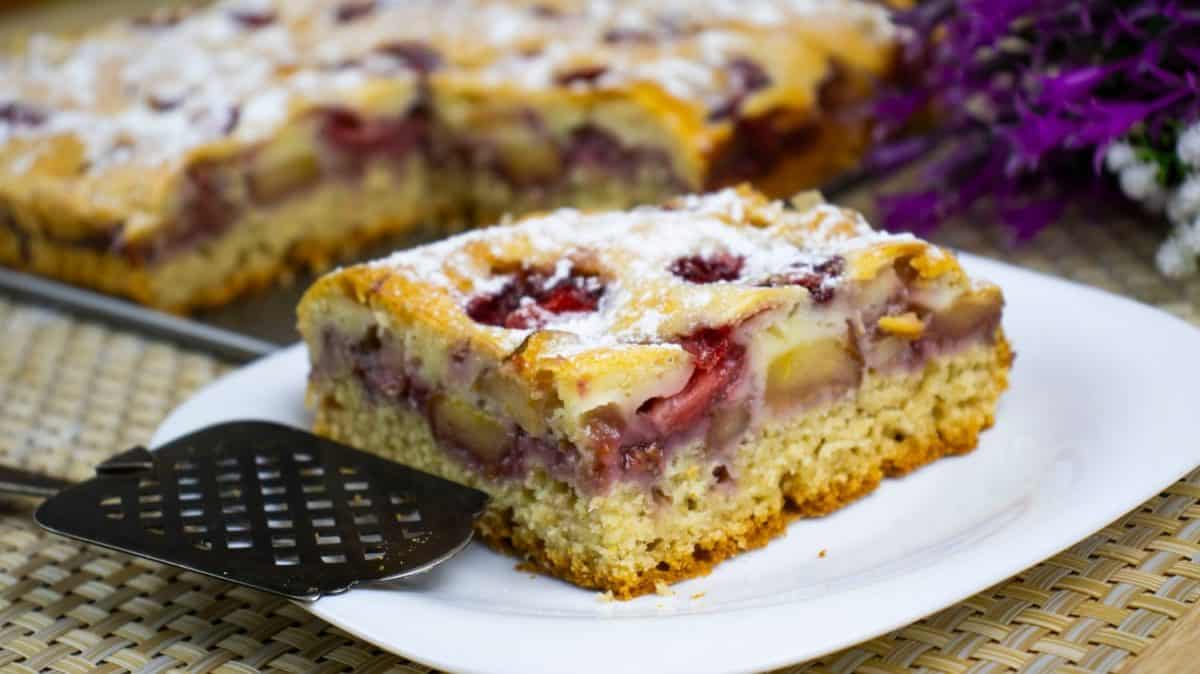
x: 626, y: 352
x: 107, y: 140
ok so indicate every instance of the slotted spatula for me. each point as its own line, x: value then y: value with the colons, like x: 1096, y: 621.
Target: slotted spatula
x: 263, y: 505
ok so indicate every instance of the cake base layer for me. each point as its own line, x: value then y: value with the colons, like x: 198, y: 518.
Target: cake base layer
x: 704, y: 508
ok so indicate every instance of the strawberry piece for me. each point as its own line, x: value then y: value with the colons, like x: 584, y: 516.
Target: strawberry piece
x: 530, y: 300
x: 708, y: 346
x: 815, y: 278
x: 567, y: 297
x: 718, y: 362
x: 710, y: 269
x: 354, y: 135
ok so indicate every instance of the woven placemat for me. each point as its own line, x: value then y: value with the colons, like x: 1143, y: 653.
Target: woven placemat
x: 72, y: 393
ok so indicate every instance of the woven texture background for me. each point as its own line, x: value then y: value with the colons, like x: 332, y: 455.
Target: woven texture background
x: 72, y: 393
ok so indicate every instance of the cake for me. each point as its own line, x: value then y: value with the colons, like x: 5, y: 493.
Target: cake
x: 183, y: 157
x: 644, y: 393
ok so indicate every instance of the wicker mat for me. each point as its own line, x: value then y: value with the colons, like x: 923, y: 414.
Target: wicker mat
x: 72, y: 393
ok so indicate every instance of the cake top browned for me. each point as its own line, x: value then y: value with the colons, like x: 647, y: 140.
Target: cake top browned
x: 612, y: 309
x: 594, y: 281
x: 147, y: 91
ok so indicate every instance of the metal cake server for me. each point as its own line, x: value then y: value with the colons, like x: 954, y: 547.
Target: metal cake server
x: 263, y: 505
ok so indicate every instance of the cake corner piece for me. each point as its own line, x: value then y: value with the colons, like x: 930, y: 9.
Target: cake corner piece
x: 186, y: 157
x: 645, y: 393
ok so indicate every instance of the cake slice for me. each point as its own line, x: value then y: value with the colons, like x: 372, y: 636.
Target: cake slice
x: 645, y: 393
x: 182, y: 158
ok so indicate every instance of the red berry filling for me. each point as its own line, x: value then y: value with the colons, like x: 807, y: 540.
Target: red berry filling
x: 531, y: 298
x: 718, y: 362
x: 17, y: 113
x: 817, y: 279
x: 353, y: 10
x: 207, y: 209
x: 745, y: 77
x: 416, y: 56
x: 591, y: 147
x: 251, y: 20
x: 582, y: 75
x: 372, y: 367
x: 360, y: 137
x: 708, y: 269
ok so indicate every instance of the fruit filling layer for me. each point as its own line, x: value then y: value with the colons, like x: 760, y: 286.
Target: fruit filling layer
x: 739, y: 376
x: 337, y: 143
x: 334, y: 144
x: 531, y: 298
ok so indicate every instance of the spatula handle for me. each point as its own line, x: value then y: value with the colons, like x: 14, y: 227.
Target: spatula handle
x: 17, y: 482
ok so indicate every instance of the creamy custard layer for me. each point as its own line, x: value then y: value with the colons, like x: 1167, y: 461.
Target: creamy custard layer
x: 735, y: 379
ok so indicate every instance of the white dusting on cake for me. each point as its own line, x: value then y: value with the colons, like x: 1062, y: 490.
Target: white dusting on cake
x: 262, y: 112
x: 148, y: 94
x: 562, y: 271
x: 592, y: 326
x: 647, y: 325
x: 642, y: 244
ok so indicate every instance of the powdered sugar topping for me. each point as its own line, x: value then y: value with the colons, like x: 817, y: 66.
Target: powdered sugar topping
x: 149, y: 93
x: 633, y: 251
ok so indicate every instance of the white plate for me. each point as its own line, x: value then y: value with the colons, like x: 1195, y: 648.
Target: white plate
x: 1101, y: 416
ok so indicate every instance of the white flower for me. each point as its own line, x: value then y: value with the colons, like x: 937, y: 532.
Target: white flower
x: 1188, y: 235
x: 1140, y: 183
x: 1184, y: 202
x: 1118, y: 156
x: 1175, y: 259
x: 1188, y: 146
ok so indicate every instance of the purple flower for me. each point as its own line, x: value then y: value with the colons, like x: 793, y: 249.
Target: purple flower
x: 916, y: 211
x: 1029, y: 218
x: 1074, y: 84
x: 1027, y: 95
